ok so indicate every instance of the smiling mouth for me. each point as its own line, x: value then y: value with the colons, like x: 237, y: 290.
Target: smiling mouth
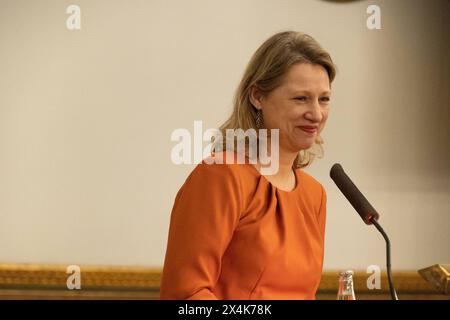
x: 310, y: 130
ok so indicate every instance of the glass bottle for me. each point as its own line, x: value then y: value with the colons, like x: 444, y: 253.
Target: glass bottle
x: 346, y: 291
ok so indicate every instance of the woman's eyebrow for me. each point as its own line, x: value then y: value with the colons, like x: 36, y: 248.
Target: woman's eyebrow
x: 309, y: 92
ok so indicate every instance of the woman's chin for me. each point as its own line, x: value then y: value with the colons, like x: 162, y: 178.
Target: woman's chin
x: 299, y: 146
x: 297, y: 143
x: 303, y: 143
x: 305, y: 146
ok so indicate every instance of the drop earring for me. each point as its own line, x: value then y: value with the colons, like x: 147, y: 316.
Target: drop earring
x: 258, y: 119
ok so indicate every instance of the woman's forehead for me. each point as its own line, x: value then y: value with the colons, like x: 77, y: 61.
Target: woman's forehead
x: 307, y: 77
x: 306, y: 87
x: 302, y: 72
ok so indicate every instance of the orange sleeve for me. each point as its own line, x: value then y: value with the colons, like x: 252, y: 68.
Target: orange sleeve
x: 321, y: 218
x: 323, y: 211
x: 205, y: 213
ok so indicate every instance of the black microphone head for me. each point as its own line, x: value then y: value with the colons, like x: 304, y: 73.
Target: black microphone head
x: 353, y: 195
x: 335, y: 170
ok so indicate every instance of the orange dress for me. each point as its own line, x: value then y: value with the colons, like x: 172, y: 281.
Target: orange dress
x: 233, y: 235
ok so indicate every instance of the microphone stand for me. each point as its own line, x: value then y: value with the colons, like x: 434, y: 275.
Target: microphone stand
x: 388, y: 258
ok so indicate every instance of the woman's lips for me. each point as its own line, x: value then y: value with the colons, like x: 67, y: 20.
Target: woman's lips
x: 310, y: 130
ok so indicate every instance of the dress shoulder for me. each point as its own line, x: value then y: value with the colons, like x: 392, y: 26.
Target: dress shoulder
x: 309, y: 181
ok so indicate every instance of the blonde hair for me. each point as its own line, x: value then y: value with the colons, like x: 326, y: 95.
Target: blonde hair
x: 265, y: 70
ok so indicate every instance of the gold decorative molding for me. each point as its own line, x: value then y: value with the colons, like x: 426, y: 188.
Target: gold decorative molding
x: 93, y: 277
x: 32, y: 281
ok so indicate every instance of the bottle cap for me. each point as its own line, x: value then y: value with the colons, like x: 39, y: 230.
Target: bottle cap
x: 346, y: 273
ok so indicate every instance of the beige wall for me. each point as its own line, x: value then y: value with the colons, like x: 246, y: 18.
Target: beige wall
x: 86, y: 118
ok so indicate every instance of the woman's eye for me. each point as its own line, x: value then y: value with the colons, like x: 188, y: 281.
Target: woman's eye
x: 301, y: 98
x: 325, y: 99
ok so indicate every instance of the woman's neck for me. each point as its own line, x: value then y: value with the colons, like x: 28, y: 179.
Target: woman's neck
x: 285, y: 161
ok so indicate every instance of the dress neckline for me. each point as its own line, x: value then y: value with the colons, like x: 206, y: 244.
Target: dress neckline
x: 297, y: 180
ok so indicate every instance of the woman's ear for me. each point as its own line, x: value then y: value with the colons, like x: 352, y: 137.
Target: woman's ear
x: 256, y: 97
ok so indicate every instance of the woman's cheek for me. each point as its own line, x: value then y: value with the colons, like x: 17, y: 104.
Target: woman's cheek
x: 325, y: 114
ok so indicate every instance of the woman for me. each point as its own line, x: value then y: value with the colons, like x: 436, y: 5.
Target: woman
x: 237, y: 234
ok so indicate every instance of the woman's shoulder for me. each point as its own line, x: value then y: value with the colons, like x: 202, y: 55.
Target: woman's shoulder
x: 226, y: 164
x: 309, y: 182
x: 229, y: 180
x: 223, y: 168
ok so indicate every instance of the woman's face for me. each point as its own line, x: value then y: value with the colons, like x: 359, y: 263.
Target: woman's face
x: 303, y: 99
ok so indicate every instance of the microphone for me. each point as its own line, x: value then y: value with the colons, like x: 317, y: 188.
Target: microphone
x: 353, y: 195
x: 365, y: 211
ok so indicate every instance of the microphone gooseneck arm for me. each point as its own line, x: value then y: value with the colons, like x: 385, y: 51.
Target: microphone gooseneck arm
x: 388, y: 258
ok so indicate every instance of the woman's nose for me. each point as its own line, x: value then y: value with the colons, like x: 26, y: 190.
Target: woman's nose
x: 314, y: 113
